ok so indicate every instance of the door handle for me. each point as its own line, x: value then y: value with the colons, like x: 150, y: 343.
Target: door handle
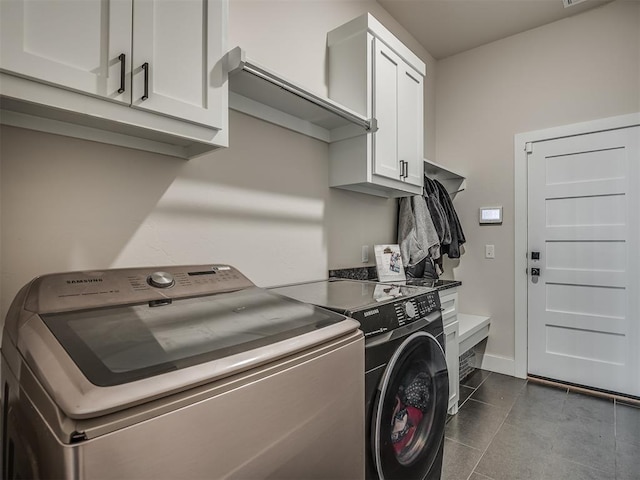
x: 122, y: 58
x: 145, y: 67
x: 535, y: 257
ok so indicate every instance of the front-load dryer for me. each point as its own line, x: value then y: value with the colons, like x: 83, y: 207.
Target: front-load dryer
x: 406, y: 378
x: 177, y: 372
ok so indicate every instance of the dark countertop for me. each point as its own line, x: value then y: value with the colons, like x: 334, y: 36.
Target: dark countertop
x: 357, y: 273
x: 370, y: 273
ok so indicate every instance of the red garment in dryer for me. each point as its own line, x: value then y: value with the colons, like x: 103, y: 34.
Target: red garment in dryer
x: 408, y: 418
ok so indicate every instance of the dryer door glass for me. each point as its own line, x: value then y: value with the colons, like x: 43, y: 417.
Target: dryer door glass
x: 411, y: 409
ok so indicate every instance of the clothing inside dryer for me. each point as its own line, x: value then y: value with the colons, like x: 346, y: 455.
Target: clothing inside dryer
x: 413, y: 411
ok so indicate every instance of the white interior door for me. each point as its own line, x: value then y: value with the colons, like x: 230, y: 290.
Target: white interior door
x: 583, y: 219
x: 84, y: 46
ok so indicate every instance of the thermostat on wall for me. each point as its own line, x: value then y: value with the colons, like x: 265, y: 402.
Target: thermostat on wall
x: 490, y: 215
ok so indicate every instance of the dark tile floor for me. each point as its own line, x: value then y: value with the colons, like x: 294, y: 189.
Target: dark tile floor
x: 511, y: 429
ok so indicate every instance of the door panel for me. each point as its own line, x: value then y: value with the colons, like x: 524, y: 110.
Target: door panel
x: 69, y: 43
x: 385, y: 111
x: 410, y: 124
x: 172, y: 38
x: 452, y: 353
x: 588, y: 209
x: 583, y: 309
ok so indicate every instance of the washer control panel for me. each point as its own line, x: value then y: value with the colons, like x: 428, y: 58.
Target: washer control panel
x: 161, y: 280
x: 156, y: 285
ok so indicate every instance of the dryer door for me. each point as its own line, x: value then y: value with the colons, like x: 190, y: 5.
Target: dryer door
x: 411, y: 409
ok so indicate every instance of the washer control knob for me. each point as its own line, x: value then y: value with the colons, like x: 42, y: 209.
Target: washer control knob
x: 410, y: 309
x: 161, y: 280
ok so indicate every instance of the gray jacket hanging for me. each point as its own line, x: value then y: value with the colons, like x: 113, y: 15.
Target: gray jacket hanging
x: 438, y: 215
x: 457, y: 235
x: 417, y: 236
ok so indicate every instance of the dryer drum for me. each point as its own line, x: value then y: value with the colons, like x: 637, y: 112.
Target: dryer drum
x: 411, y: 409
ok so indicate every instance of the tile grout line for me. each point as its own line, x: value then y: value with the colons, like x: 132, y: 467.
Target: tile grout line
x: 473, y: 388
x: 565, y: 405
x: 615, y: 438
x: 591, y: 467
x: 463, y: 444
x: 553, y: 440
x: 481, y: 475
x: 473, y: 470
x: 488, y: 404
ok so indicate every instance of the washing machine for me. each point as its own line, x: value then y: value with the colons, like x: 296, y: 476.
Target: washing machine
x: 406, y: 378
x: 177, y: 372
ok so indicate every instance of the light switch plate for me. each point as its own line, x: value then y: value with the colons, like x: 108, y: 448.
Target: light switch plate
x: 489, y: 251
x: 365, y: 253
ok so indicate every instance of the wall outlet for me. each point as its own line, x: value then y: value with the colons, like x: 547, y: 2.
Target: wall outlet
x: 489, y: 251
x: 365, y: 253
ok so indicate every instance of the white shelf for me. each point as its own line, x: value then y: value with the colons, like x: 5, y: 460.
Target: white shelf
x: 472, y: 329
x: 440, y: 171
x: 259, y: 92
x: 454, y: 182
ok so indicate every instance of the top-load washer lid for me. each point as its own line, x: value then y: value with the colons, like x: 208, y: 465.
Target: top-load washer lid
x: 348, y: 296
x: 95, y: 359
x: 112, y: 346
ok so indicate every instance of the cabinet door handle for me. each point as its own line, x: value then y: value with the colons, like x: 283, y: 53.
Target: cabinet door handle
x: 122, y: 58
x: 404, y: 167
x: 145, y: 67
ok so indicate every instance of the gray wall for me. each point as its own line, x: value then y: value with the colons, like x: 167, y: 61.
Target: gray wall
x: 262, y: 205
x: 578, y: 69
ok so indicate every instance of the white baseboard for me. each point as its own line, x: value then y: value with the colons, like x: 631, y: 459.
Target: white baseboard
x: 495, y: 363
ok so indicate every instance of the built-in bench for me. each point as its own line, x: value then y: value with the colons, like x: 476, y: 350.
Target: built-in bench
x: 472, y: 329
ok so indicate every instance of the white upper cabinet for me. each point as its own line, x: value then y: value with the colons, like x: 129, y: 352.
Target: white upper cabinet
x: 171, y: 62
x: 410, y: 124
x: 71, y: 44
x: 387, y: 66
x: 146, y: 74
x: 372, y: 72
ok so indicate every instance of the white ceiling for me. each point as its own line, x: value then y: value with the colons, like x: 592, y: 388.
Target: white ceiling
x: 447, y: 27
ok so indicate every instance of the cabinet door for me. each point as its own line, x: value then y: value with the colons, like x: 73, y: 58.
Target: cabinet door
x: 386, y: 65
x: 181, y: 42
x: 453, y: 365
x: 69, y: 43
x: 410, y: 121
